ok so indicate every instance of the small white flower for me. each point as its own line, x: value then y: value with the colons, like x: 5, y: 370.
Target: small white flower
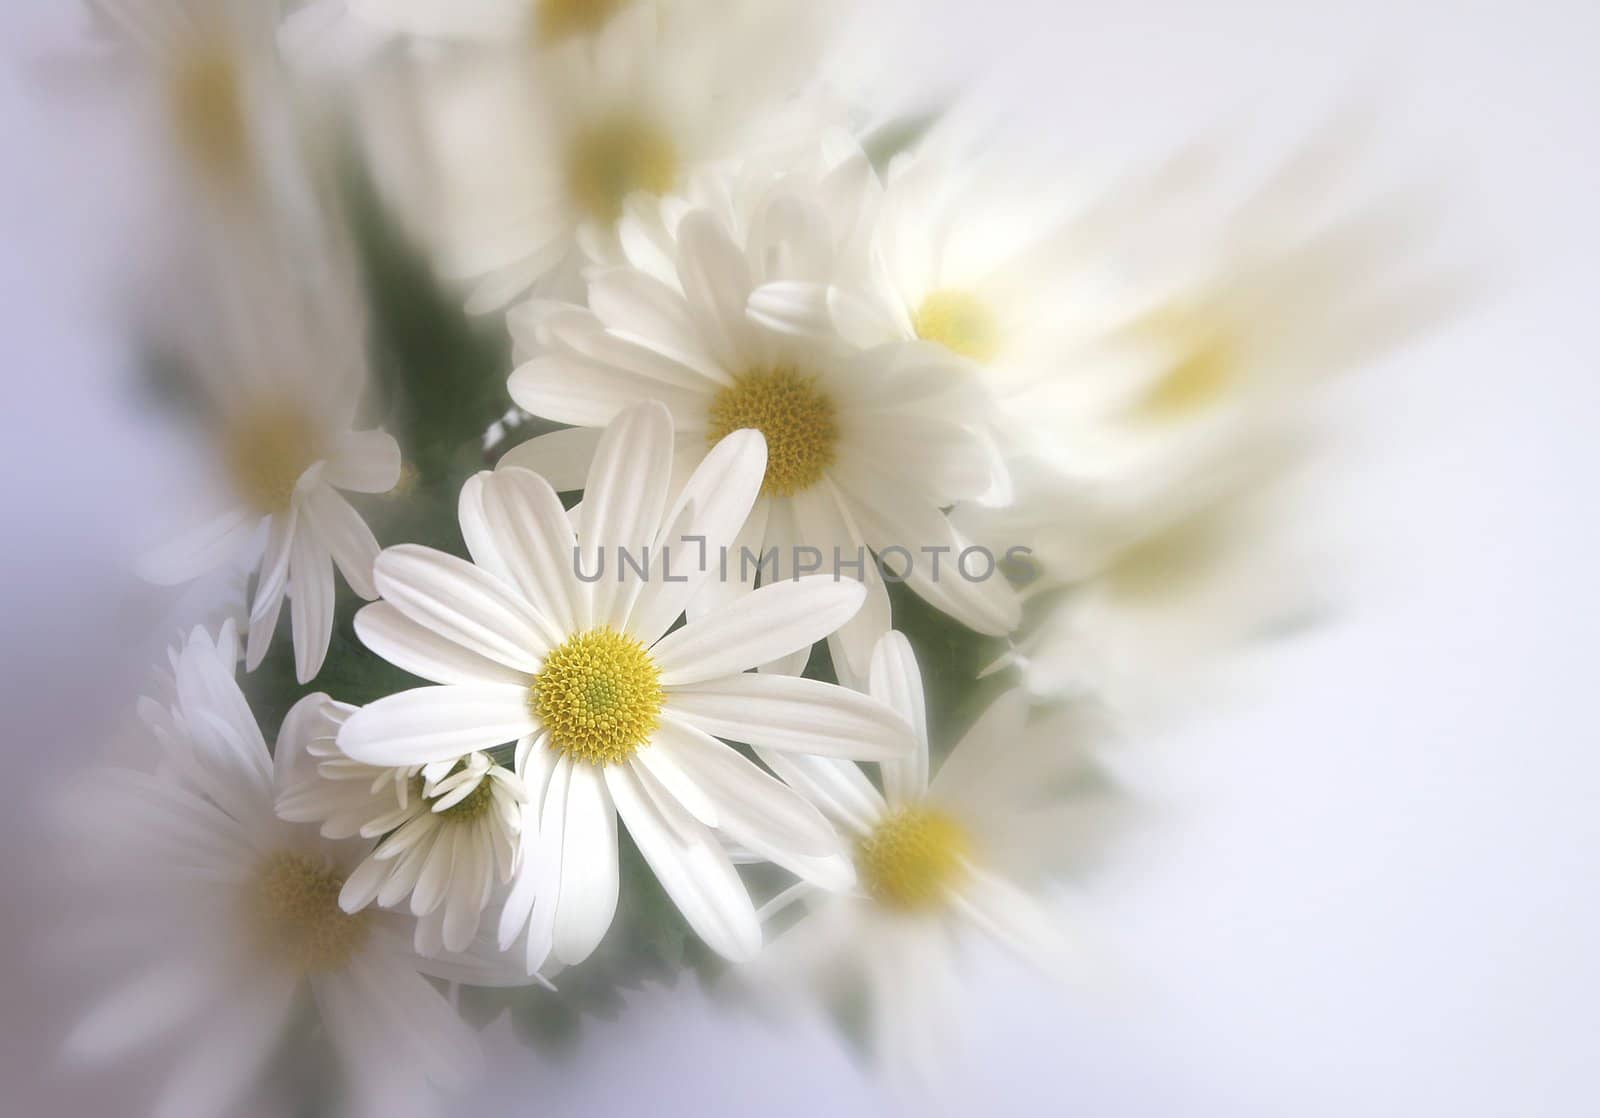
x: 935, y: 860
x: 224, y: 915
x: 612, y: 713
x: 278, y: 357
x: 866, y: 448
x: 516, y: 162
x: 450, y: 830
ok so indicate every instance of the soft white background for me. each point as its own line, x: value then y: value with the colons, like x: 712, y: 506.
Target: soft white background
x: 1368, y: 887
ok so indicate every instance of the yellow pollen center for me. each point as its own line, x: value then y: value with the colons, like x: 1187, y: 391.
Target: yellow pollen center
x: 912, y: 858
x: 616, y: 157
x: 598, y: 696
x: 469, y: 809
x: 1204, y: 364
x: 292, y: 909
x: 797, y: 418
x: 559, y: 19
x: 960, y: 323
x: 266, y: 454
x: 207, y: 106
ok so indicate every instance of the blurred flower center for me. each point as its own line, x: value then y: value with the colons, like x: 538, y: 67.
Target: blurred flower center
x: 1204, y: 364
x: 207, y: 105
x: 292, y: 907
x: 558, y: 19
x: 599, y: 696
x: 613, y: 159
x: 798, y: 420
x: 267, y: 451
x: 912, y: 858
x: 960, y: 323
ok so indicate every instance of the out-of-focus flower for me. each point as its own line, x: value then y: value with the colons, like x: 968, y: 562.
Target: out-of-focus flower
x: 612, y: 714
x: 279, y: 364
x: 225, y: 915
x: 865, y: 448
x: 935, y: 860
x: 450, y: 830
x: 515, y: 162
x: 209, y: 74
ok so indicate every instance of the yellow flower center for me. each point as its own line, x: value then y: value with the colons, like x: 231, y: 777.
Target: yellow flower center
x: 292, y: 909
x: 612, y: 159
x: 798, y: 420
x: 912, y: 858
x: 266, y: 454
x: 1204, y: 364
x: 598, y: 696
x: 960, y: 323
x: 207, y: 106
x: 558, y: 19
x: 469, y: 809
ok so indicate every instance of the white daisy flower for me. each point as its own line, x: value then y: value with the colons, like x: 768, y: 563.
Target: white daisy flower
x: 935, y: 860
x: 612, y: 713
x: 517, y: 164
x: 866, y: 448
x: 277, y: 354
x: 450, y: 831
x: 227, y: 916
x: 1158, y: 475
x: 208, y: 72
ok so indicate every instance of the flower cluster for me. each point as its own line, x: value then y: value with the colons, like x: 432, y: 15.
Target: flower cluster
x: 562, y: 733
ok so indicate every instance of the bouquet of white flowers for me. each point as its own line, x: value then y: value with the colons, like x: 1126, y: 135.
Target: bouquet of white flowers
x: 755, y: 510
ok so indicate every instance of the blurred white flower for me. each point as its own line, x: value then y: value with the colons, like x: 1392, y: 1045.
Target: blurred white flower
x: 612, y: 713
x: 223, y: 916
x: 277, y: 355
x: 450, y: 830
x: 936, y: 860
x: 866, y: 448
x: 514, y: 162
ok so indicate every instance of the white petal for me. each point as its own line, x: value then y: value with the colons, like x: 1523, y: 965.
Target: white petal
x: 839, y: 788
x: 896, y: 680
x: 716, y: 281
x: 562, y: 458
x: 1017, y: 921
x: 310, y: 603
x: 202, y: 549
x: 585, y: 394
x: 432, y: 724
x: 802, y: 715
x: 346, y: 537
x: 773, y: 621
x: 464, y: 604
x: 753, y: 807
x: 707, y: 518
x: 589, y: 867
x: 646, y: 311
x: 623, y: 500
x: 423, y: 652
x: 692, y: 868
x: 365, y: 462
x: 535, y: 541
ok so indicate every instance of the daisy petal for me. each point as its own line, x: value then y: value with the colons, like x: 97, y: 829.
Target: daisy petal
x: 431, y: 724
x: 462, y: 603
x: 896, y: 681
x: 423, y: 652
x: 773, y: 621
x: 692, y: 868
x: 787, y: 713
x: 562, y: 458
x: 589, y: 867
x: 623, y: 500
x: 365, y: 462
x: 346, y: 537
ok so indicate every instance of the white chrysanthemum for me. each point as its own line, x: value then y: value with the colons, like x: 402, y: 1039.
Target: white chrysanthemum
x: 277, y: 353
x: 224, y: 916
x: 1156, y: 473
x: 865, y: 449
x: 449, y: 831
x: 210, y: 70
x: 935, y: 860
x: 613, y: 714
x: 516, y: 162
